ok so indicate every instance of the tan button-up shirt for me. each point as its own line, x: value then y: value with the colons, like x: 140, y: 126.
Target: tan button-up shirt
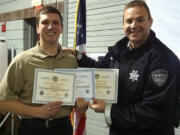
x: 19, y: 78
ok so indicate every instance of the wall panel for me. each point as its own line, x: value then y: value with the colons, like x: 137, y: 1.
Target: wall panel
x: 104, y: 22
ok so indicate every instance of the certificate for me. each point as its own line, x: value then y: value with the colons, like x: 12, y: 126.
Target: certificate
x: 84, y: 82
x: 52, y: 86
x: 107, y: 84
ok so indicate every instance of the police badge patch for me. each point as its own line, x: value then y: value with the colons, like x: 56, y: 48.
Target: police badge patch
x: 159, y: 77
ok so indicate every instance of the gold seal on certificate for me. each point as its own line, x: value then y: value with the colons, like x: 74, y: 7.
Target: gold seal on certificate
x: 106, y: 84
x: 52, y: 86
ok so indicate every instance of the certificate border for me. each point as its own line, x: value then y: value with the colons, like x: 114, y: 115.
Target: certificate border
x: 116, y: 83
x: 35, y: 86
x: 92, y: 72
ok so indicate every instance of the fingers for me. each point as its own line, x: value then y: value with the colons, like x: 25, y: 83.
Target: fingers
x: 53, y: 105
x: 93, y: 106
x: 81, y: 102
x: 51, y: 109
x: 95, y: 100
x: 81, y: 105
x: 98, y: 105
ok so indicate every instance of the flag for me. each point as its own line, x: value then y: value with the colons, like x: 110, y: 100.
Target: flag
x: 78, y: 122
x: 80, y: 28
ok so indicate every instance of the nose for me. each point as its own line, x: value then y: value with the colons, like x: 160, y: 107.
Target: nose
x: 49, y: 26
x: 134, y: 24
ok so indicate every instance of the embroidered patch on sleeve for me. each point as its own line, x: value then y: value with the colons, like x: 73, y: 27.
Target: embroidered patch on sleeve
x: 159, y: 77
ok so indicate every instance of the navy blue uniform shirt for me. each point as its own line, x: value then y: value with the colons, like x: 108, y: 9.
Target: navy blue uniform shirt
x: 147, y: 92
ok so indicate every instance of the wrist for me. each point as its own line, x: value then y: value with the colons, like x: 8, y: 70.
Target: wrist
x: 107, y: 114
x: 36, y: 112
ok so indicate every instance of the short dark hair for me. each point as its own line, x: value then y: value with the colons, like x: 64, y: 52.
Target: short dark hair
x: 139, y: 3
x: 46, y: 10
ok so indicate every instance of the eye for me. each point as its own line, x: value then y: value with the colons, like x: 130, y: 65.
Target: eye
x: 128, y: 21
x: 56, y: 22
x: 44, y: 22
x: 141, y: 19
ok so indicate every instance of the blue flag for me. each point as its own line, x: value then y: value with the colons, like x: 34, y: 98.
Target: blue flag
x: 80, y: 32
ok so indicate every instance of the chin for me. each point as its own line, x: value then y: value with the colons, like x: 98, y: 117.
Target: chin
x: 133, y: 39
x: 51, y: 41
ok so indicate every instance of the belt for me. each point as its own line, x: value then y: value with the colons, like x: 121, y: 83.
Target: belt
x: 45, y: 122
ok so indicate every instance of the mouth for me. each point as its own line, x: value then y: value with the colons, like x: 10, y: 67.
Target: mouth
x: 51, y: 33
x: 135, y: 31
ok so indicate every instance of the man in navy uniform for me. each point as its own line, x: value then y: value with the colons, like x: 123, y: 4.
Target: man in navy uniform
x: 148, y: 71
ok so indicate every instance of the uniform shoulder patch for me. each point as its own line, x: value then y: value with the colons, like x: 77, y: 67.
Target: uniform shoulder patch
x: 159, y: 77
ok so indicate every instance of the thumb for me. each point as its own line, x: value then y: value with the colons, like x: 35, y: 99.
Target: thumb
x: 95, y: 101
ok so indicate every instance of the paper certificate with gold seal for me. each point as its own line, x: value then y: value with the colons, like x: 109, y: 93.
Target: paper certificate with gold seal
x: 106, y: 84
x: 84, y: 82
x: 52, y: 86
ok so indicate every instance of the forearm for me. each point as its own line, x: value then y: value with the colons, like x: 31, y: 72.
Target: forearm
x: 141, y: 116
x: 17, y: 107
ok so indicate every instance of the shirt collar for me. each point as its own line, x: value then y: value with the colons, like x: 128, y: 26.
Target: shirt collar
x: 129, y: 46
x: 42, y: 54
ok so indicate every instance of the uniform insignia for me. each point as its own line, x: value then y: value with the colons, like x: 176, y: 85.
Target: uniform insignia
x: 134, y: 75
x: 159, y: 77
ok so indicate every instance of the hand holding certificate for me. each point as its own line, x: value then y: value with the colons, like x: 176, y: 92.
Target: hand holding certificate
x: 52, y: 86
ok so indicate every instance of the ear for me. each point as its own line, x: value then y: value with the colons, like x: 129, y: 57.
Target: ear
x: 151, y: 21
x: 62, y: 29
x: 37, y: 29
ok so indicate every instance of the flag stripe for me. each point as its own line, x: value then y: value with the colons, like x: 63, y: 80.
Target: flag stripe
x: 80, y: 124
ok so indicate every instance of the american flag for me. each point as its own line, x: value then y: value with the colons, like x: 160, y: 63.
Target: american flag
x: 79, y: 120
x: 80, y: 28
